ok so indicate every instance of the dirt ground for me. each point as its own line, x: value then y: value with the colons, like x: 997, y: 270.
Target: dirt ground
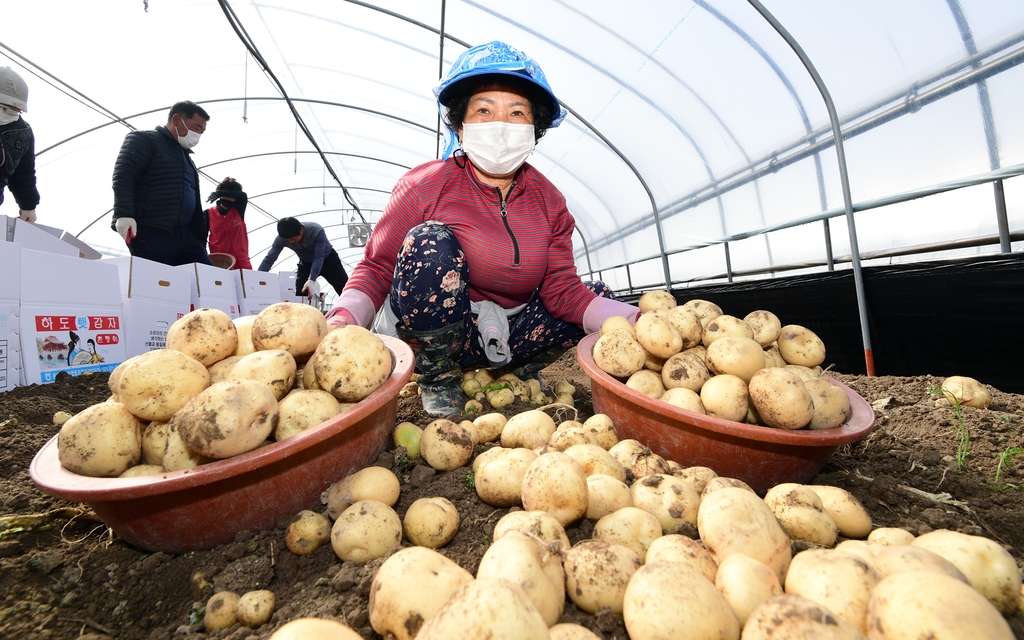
x: 66, y: 576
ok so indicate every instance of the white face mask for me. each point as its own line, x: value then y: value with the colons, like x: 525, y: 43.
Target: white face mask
x: 7, y: 117
x: 190, y: 139
x: 498, y: 148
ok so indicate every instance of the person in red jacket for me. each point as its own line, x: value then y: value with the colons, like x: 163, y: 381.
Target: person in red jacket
x: 471, y: 262
x: 227, y: 222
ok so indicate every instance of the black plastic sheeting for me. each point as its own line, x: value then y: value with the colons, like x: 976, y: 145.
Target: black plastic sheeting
x: 943, y: 318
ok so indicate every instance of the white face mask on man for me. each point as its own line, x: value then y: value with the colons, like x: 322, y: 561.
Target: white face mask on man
x: 498, y: 148
x: 8, y: 115
x: 188, y: 140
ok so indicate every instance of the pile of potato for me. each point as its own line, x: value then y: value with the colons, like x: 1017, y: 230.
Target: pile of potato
x: 676, y: 551
x: 695, y: 357
x: 223, y: 387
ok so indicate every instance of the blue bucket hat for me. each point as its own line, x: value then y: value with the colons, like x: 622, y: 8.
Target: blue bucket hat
x: 493, y: 58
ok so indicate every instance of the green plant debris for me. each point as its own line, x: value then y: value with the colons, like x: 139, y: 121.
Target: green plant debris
x: 963, y: 437
x: 1006, y: 459
x: 471, y: 480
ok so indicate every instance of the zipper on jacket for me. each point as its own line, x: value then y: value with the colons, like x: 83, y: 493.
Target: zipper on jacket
x: 504, y: 219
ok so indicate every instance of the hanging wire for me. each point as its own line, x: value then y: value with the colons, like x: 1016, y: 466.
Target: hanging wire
x: 240, y: 31
x: 245, y: 91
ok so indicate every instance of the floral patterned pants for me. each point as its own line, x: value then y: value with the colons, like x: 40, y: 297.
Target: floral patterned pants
x: 430, y: 290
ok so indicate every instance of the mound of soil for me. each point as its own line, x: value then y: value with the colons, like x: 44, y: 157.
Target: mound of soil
x: 64, y: 574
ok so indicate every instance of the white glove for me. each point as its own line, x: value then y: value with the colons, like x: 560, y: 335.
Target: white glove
x: 311, y: 289
x: 27, y: 216
x: 127, y: 228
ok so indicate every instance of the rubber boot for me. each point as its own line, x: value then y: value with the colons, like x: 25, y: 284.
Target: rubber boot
x: 437, y: 354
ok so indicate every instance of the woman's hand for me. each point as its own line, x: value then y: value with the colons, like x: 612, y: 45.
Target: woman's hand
x: 340, y: 317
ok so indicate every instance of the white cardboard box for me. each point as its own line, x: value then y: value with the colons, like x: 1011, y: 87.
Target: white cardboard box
x: 84, y: 250
x: 287, y: 280
x: 257, y: 290
x: 10, y: 328
x: 70, y: 315
x: 153, y: 296
x: 38, y: 238
x: 213, y: 288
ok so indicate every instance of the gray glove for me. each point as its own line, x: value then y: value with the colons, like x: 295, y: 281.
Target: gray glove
x: 127, y: 228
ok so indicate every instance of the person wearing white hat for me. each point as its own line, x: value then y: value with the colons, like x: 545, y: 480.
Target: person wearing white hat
x: 471, y: 262
x: 17, y: 145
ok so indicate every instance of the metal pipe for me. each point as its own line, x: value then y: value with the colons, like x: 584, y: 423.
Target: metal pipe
x: 1001, y: 220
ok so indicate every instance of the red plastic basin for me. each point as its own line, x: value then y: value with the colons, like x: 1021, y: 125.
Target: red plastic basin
x: 199, y: 508
x: 760, y: 456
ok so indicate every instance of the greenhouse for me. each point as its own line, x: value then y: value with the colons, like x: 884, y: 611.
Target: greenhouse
x: 647, y: 319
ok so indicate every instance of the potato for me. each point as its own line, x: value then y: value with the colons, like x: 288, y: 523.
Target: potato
x: 619, y: 354
x: 658, y: 336
x: 671, y: 500
x: 593, y: 460
x: 649, y: 463
x: 255, y: 608
x: 801, y: 513
x: 626, y: 451
x: 793, y: 617
x: 861, y: 548
x: 851, y: 518
x: 526, y: 561
x: 499, y: 476
x: 274, y: 368
x: 726, y: 326
x: 989, y: 567
x: 684, y: 399
x: 369, y: 483
x: 734, y: 520
x: 781, y: 399
x: 904, y: 558
x: 431, y: 522
x: 537, y: 523
x: 806, y: 373
x: 306, y: 378
x: 158, y: 383
x: 654, y: 363
x: 178, y: 455
x: 773, y: 358
x: 296, y: 328
x: 529, y: 430
x: 664, y: 597
x: 571, y: 631
x: 922, y: 604
x: 154, y: 442
x: 474, y: 433
x: 486, y: 608
x: 140, y: 470
x: 365, y: 531
x: 563, y: 439
x: 314, y: 629
x: 721, y: 482
x: 745, y: 584
x: 656, y: 299
x: 307, y: 532
x: 207, y: 335
x: 409, y: 588
x: 697, y: 476
x: 114, y: 380
x: 221, y: 611
x: 602, y: 426
x: 839, y: 581
x: 605, y: 495
x: 350, y: 362
x: 685, y: 370
x: 243, y: 326
x: 616, y: 322
x: 630, y: 527
x: 101, y: 441
x: 736, y: 355
x: 705, y: 310
x: 765, y: 326
x: 967, y: 391
x: 221, y: 371
x: 679, y: 548
x: 891, y: 536
x: 303, y: 409
x: 725, y: 396
x: 556, y: 483
x: 228, y: 418
x: 646, y: 382
x: 597, y: 572
x: 687, y: 323
x: 831, y: 404
x: 445, y: 445
x: 800, y: 345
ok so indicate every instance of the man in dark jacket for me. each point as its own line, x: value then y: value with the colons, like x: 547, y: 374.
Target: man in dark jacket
x: 17, y: 145
x: 157, y: 208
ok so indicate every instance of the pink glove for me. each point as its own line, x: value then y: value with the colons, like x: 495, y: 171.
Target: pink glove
x: 340, y: 317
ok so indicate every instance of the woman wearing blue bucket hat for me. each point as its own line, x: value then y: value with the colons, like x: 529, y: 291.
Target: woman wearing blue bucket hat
x: 471, y: 262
